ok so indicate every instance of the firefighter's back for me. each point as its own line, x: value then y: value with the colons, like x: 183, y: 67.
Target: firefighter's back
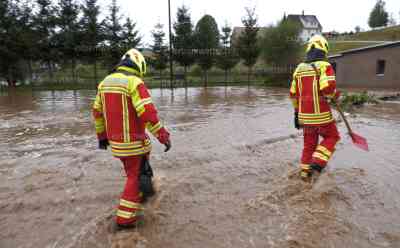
x: 124, y: 127
x: 313, y: 107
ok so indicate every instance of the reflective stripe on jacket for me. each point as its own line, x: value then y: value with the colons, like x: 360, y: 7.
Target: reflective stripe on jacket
x: 309, y: 92
x: 123, y: 109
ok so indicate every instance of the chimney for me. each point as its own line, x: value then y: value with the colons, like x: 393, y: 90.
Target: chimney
x: 303, y: 13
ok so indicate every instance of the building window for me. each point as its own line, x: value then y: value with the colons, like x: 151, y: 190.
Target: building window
x: 380, y: 67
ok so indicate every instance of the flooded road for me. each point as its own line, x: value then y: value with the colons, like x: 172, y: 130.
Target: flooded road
x: 226, y: 183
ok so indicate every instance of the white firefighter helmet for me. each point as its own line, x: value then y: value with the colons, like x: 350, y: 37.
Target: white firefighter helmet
x: 138, y: 63
x: 318, y: 42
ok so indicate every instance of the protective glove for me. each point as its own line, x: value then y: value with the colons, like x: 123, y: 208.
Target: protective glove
x: 296, y: 120
x: 103, y: 144
x: 167, y: 146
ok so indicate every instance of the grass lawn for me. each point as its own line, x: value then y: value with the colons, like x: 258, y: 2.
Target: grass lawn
x: 341, y: 43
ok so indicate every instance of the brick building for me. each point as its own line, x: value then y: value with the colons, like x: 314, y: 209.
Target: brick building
x: 369, y: 67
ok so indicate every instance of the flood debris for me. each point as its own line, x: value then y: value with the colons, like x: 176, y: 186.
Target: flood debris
x: 395, y: 97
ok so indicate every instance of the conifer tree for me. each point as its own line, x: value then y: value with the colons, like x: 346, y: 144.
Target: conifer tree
x: 227, y: 59
x: 248, y: 46
x: 207, y: 41
x: 113, y: 35
x: 130, y: 36
x: 45, y: 24
x: 183, y: 39
x: 68, y: 35
x: 92, y: 33
x: 160, y: 50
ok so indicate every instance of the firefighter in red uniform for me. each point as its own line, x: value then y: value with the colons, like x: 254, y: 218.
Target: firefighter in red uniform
x: 123, y: 109
x: 313, y: 86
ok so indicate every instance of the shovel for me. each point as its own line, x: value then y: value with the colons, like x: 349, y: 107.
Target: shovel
x: 358, y: 141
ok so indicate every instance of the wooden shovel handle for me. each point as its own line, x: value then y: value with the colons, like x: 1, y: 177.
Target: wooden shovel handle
x: 334, y: 102
x: 343, y: 117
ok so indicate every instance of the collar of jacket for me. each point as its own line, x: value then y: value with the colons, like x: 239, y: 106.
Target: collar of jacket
x: 127, y: 70
x: 315, y: 55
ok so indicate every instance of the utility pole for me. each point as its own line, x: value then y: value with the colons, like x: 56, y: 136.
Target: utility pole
x: 171, y: 73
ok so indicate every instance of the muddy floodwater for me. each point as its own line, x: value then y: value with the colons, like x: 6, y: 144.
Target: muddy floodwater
x: 227, y: 182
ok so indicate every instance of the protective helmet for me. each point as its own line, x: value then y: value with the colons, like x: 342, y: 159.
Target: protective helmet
x: 135, y: 61
x: 318, y: 42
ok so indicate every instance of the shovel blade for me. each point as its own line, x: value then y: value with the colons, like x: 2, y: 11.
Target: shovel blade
x: 359, y: 141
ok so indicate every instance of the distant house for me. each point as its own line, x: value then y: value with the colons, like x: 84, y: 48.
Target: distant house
x: 369, y: 67
x: 309, y: 25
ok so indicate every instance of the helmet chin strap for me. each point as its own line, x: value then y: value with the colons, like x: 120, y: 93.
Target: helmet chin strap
x: 127, y: 62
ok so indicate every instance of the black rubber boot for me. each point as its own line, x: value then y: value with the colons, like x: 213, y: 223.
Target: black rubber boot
x: 317, y: 168
x: 114, y: 227
x: 316, y: 172
x: 306, y: 173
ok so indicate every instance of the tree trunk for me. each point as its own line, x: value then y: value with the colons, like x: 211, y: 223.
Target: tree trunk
x: 73, y: 70
x: 248, y: 76
x: 9, y: 77
x: 50, y: 70
x: 205, y: 78
x: 30, y: 71
x: 95, y: 72
x: 184, y: 75
x: 161, y: 77
x: 226, y: 77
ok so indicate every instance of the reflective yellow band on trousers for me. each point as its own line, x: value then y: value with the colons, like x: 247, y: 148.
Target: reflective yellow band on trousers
x: 129, y: 204
x: 129, y: 215
x: 320, y: 156
x: 324, y: 151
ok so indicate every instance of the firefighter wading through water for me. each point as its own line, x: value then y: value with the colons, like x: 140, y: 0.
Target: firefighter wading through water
x: 123, y: 110
x: 313, y: 86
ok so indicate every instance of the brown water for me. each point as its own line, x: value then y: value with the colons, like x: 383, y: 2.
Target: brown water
x: 226, y: 183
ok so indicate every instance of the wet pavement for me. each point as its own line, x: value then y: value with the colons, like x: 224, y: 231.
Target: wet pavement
x: 227, y: 182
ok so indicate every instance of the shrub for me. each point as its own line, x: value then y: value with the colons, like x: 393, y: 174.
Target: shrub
x: 353, y: 100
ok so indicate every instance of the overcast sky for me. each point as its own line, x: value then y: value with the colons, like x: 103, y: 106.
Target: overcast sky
x: 339, y: 15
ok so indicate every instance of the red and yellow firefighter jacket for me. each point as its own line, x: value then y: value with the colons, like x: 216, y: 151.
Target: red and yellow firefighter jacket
x: 123, y: 109
x: 310, y: 90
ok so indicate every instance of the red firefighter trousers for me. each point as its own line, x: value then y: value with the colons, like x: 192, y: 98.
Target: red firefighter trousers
x: 130, y: 208
x: 320, y: 154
